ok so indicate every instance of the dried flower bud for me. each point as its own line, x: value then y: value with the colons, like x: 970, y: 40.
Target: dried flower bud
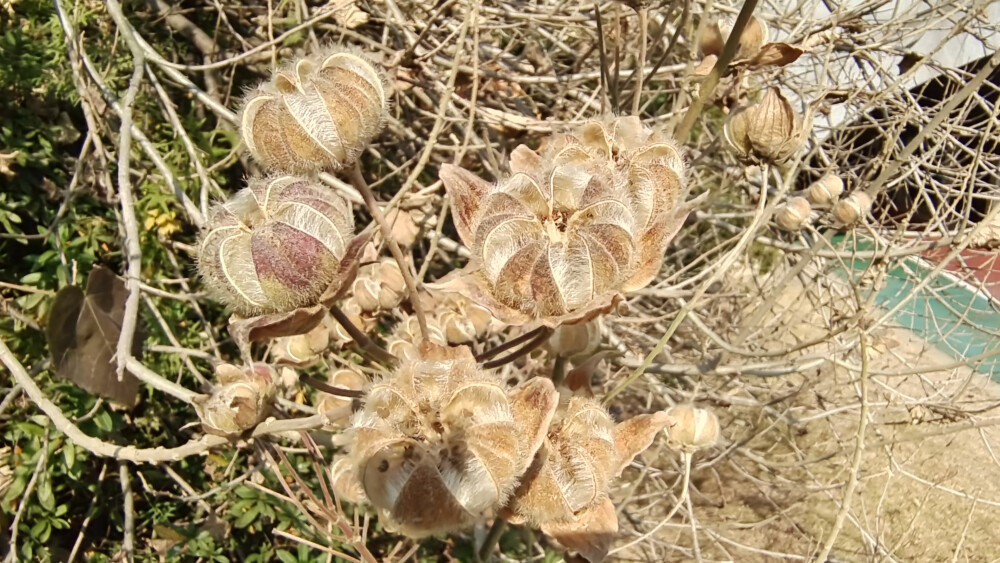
x: 713, y: 38
x: 769, y: 131
x: 320, y: 112
x: 573, y: 227
x: 441, y: 444
x: 241, y: 401
x: 302, y: 350
x: 852, y: 208
x: 826, y: 190
x: 575, y: 340
x: 692, y: 428
x: 277, y: 245
x: 794, y: 214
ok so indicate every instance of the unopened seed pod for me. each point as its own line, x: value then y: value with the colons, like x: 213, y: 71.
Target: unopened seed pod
x: 575, y: 340
x: 321, y: 112
x: 714, y: 35
x: 769, y: 131
x: 275, y: 246
x: 692, y: 428
x: 852, y: 208
x: 826, y: 190
x: 794, y: 214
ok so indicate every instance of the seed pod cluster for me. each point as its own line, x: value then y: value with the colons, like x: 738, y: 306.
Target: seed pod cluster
x: 441, y: 444
x: 565, y: 492
x: 586, y: 219
x: 379, y: 286
x: 318, y: 113
x: 769, y: 131
x: 278, y: 244
x: 240, y: 402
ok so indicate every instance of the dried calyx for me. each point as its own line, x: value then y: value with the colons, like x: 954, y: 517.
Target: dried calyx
x: 319, y: 112
x: 279, y: 244
x: 441, y: 444
x: 588, y: 218
x: 769, y: 131
x: 240, y: 401
x: 565, y: 492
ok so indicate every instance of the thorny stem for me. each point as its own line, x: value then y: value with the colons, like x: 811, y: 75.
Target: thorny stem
x: 366, y: 344
x: 359, y: 183
x: 492, y: 538
x: 542, y: 335
x: 712, y: 80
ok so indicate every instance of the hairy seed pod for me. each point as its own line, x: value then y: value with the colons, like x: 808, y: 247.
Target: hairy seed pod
x: 440, y: 444
x: 852, y: 209
x: 321, y: 112
x: 769, y: 131
x: 574, y: 226
x: 826, y: 190
x: 692, y: 428
x: 275, y: 246
x: 794, y: 214
x: 241, y: 401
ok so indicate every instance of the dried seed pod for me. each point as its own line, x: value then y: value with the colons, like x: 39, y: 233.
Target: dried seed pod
x: 826, y: 190
x: 579, y: 339
x: 344, y: 379
x: 852, y: 209
x: 379, y: 286
x: 405, y: 337
x: 692, y: 428
x: 794, y: 214
x: 583, y: 453
x: 241, y: 402
x: 713, y: 38
x: 461, y: 320
x: 440, y: 443
x: 574, y: 226
x: 769, y: 131
x: 302, y: 350
x: 321, y: 112
x: 277, y: 245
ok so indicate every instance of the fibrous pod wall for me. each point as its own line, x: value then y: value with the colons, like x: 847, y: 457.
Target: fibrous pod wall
x: 276, y: 245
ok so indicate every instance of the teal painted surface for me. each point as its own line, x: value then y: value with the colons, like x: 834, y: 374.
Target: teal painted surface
x: 951, y: 315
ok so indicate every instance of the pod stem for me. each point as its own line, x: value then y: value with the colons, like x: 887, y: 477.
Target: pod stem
x: 359, y: 183
x: 366, y: 344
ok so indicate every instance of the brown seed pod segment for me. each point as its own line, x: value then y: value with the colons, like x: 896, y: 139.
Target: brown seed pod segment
x: 276, y: 245
x: 441, y: 444
x: 319, y: 113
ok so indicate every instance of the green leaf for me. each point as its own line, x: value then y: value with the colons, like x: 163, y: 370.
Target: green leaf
x: 286, y: 556
x: 45, y: 496
x: 247, y: 517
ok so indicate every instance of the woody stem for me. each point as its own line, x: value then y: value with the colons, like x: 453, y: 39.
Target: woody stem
x: 359, y: 183
x: 491, y: 539
x: 541, y: 335
x: 366, y: 344
x: 643, y: 12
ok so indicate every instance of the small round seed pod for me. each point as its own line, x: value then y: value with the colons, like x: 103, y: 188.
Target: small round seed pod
x: 461, y: 320
x: 241, y: 402
x: 794, y: 214
x: 692, y: 428
x: 275, y: 246
x: 826, y: 190
x: 769, y: 131
x: 852, y: 208
x: 302, y: 350
x: 344, y: 379
x: 575, y: 340
x: 319, y: 113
